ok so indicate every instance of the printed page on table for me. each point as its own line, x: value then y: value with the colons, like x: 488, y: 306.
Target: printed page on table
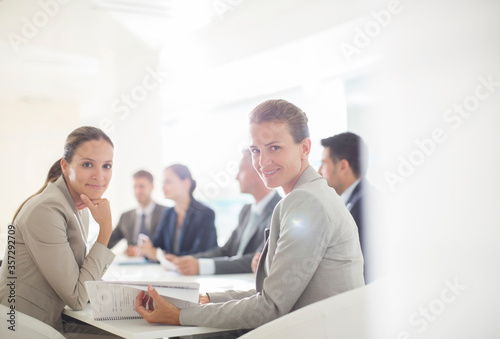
x: 181, y: 294
x: 116, y: 300
x: 111, y: 301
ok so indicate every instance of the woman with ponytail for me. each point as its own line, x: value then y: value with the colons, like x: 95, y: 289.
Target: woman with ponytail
x: 188, y: 227
x: 52, y: 261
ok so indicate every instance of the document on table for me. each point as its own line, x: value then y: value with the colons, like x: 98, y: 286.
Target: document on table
x: 111, y: 300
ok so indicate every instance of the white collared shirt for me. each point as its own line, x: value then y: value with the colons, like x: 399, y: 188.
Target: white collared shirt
x: 258, y: 207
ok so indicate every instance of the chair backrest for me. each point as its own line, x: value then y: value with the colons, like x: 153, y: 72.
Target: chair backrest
x: 339, y: 317
x: 25, y: 326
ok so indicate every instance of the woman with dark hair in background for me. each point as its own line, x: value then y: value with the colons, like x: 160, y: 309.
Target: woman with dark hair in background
x: 51, y: 229
x: 189, y: 226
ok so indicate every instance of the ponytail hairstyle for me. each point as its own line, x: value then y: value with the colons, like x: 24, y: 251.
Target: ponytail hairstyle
x: 183, y: 173
x: 73, y: 141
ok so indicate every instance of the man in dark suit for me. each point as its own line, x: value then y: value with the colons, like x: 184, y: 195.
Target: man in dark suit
x: 248, y: 237
x: 142, y: 220
x: 343, y: 165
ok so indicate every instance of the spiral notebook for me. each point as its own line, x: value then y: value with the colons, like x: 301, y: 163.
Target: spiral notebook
x: 114, y: 300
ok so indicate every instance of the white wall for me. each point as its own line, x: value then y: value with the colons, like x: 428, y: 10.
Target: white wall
x: 200, y: 72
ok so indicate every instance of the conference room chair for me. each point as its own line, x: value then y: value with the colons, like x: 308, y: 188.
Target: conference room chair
x: 25, y: 327
x: 344, y: 316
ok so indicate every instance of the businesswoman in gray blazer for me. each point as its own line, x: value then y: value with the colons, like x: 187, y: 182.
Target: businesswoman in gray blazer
x: 50, y: 262
x: 313, y: 250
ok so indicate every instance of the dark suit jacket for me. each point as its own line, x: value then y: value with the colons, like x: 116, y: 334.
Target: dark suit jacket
x: 198, y: 231
x: 356, y: 205
x: 125, y: 227
x: 224, y: 257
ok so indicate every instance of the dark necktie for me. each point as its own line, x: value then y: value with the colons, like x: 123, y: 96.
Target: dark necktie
x: 143, y: 228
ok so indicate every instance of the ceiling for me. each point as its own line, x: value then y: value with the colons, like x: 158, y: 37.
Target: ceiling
x: 64, y: 50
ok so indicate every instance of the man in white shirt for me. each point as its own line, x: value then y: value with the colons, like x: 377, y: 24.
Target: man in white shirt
x: 248, y: 237
x: 343, y: 165
x: 142, y: 220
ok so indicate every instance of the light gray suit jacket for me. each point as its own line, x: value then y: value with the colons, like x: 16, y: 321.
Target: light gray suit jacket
x: 125, y: 227
x: 312, y: 253
x: 225, y: 257
x: 51, y: 263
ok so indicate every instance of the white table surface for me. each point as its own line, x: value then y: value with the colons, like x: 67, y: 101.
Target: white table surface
x: 138, y: 328
x: 124, y: 269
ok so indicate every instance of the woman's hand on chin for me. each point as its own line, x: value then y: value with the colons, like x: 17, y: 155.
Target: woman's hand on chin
x: 101, y: 212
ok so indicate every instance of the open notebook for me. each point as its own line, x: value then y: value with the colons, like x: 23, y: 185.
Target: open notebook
x: 110, y: 300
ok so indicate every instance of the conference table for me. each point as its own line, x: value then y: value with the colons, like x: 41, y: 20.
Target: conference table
x: 137, y: 269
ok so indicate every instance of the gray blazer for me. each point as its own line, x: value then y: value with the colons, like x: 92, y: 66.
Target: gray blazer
x: 125, y: 227
x: 312, y: 253
x: 224, y: 257
x: 51, y: 263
